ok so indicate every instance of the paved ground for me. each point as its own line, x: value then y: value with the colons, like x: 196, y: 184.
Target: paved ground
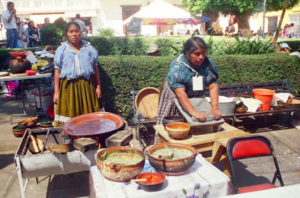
x: 286, y: 143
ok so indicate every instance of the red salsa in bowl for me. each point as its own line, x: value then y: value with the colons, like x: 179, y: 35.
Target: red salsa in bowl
x: 153, y: 181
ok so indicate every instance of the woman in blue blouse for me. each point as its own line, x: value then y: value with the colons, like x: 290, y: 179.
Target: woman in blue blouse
x: 76, y: 77
x: 189, y: 75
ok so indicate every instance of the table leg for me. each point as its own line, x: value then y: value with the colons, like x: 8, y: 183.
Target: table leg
x: 217, y: 152
x: 226, y: 167
x: 40, y: 97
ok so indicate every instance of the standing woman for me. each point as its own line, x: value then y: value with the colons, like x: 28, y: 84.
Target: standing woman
x: 76, y: 77
x: 33, y: 35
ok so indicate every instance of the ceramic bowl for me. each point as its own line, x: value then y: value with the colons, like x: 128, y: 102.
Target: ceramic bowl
x: 118, y: 171
x: 171, y: 166
x: 178, y: 130
x: 18, y: 132
x: 276, y: 107
x: 241, y: 110
x: 154, y: 181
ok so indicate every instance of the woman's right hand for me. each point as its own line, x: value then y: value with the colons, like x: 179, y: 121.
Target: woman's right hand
x: 199, y: 115
x: 55, y: 97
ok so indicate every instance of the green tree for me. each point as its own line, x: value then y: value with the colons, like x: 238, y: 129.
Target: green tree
x: 243, y: 9
x: 53, y: 34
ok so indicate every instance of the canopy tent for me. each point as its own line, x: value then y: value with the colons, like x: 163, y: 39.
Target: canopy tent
x: 160, y: 12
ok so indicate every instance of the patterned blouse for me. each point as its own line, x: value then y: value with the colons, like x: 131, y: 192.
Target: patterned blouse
x: 75, y: 65
x: 180, y: 76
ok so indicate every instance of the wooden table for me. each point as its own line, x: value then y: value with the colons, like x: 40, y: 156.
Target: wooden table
x: 213, y: 143
x: 38, y: 77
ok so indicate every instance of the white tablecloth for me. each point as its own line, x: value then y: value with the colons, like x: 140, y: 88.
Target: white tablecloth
x: 212, y: 181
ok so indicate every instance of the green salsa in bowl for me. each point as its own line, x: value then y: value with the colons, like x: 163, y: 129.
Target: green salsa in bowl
x: 120, y: 163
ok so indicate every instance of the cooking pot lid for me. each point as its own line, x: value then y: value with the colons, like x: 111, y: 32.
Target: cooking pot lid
x: 93, y: 124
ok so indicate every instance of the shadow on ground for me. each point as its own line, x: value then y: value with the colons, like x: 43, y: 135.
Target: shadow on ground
x: 72, y: 185
x: 247, y: 178
x: 6, y: 159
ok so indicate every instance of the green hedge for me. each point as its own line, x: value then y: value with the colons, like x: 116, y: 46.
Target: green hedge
x: 172, y: 45
x: 122, y: 74
x: 136, y: 45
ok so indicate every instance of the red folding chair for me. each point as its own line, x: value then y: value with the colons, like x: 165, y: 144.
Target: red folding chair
x: 251, y: 147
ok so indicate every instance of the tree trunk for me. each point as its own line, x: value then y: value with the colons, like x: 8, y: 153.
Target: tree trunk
x: 280, y: 21
x: 243, y: 21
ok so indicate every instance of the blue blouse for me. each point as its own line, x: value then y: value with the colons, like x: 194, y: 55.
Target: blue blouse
x: 75, y: 65
x: 180, y: 76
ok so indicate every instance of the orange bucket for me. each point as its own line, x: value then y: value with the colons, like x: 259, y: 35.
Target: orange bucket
x: 265, y: 96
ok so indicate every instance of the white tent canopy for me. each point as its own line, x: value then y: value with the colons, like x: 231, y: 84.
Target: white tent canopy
x: 159, y: 12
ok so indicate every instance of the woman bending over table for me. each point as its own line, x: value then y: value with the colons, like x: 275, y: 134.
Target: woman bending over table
x: 189, y: 75
x: 76, y: 78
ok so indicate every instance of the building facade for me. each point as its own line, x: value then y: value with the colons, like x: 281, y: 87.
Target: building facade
x: 97, y: 14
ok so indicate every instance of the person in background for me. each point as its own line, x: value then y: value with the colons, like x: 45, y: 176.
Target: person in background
x: 292, y: 31
x: 232, y: 25
x: 260, y: 31
x: 25, y: 26
x: 9, y: 18
x: 153, y: 50
x: 32, y: 35
x: 76, y: 78
x: 287, y: 31
x: 190, y: 73
x: 284, y: 47
x: 46, y: 21
x: 81, y: 24
x: 20, y: 33
x: 196, y: 32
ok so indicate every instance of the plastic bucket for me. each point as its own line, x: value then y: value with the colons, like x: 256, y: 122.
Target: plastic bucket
x: 265, y: 96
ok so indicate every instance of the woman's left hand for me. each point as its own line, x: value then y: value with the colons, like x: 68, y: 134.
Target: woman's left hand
x: 98, y: 92
x: 217, y: 113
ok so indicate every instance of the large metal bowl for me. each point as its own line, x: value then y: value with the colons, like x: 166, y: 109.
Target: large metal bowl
x: 171, y: 166
x: 120, y: 172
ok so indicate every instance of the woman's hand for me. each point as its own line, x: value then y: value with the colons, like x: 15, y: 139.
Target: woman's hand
x: 98, y: 92
x: 55, y: 97
x: 199, y: 115
x: 216, y: 113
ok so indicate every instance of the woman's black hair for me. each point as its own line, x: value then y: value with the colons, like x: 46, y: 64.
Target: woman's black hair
x: 69, y: 25
x: 192, y: 44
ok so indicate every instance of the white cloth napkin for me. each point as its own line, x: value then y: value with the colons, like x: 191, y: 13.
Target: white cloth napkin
x: 281, y: 96
x: 251, y: 104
